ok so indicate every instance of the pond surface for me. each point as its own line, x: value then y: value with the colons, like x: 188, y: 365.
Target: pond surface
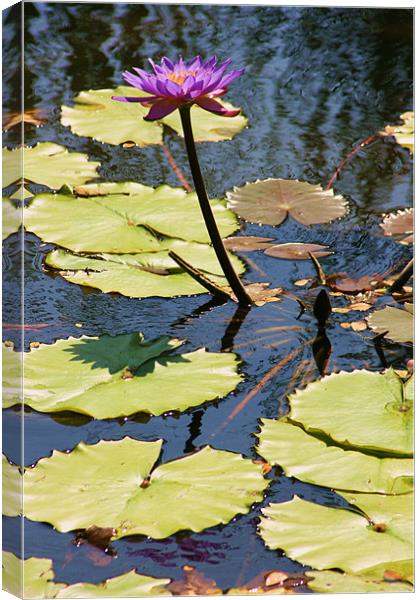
x: 318, y: 81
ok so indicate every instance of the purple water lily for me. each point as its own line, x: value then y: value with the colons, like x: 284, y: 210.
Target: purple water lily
x: 182, y: 83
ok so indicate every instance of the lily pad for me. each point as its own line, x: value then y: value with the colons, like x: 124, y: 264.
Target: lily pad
x: 397, y: 324
x: 269, y: 202
x: 361, y: 410
x: 12, y: 489
x: 400, y: 223
x: 333, y: 582
x: 109, y: 377
x: 128, y: 585
x: 404, y: 134
x: 122, y: 218
x: 247, y: 243
x: 49, y: 164
x: 142, y: 275
x: 338, y: 538
x: 112, y: 484
x: 311, y: 460
x: 12, y: 218
x: 29, y: 579
x: 96, y: 115
x: 297, y: 251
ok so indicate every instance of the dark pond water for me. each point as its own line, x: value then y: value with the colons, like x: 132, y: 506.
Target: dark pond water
x: 318, y: 81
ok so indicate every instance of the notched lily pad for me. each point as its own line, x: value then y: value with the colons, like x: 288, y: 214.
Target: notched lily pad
x: 359, y: 409
x: 311, y: 460
x: 333, y: 582
x: 105, y: 482
x: 269, y: 202
x: 110, y: 377
x: 400, y: 223
x: 397, y: 324
x: 12, y: 218
x: 297, y: 251
x: 12, y: 489
x: 48, y: 164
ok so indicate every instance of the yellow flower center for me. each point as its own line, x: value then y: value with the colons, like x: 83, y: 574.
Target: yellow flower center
x: 179, y: 78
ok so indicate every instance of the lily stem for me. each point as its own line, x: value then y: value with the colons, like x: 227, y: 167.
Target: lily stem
x: 200, y: 188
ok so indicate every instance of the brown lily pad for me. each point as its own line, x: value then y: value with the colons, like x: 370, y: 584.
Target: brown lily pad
x: 270, y: 201
x: 297, y: 251
x: 193, y: 583
x: 244, y: 243
x: 342, y: 282
x: 400, y: 223
x: 272, y: 582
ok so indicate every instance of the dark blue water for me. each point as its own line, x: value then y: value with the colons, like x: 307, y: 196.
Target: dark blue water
x: 318, y: 81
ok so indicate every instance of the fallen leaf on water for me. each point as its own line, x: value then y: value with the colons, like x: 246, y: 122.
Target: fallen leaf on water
x: 35, y: 116
x: 302, y: 282
x: 361, y: 306
x: 342, y: 282
x: 297, y: 251
x: 193, y: 583
x: 355, y: 325
x: 260, y: 293
x: 243, y: 243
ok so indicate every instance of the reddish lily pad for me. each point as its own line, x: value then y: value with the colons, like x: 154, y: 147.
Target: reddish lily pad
x: 342, y: 282
x: 297, y: 251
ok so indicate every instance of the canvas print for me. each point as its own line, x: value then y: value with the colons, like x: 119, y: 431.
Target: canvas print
x: 207, y: 299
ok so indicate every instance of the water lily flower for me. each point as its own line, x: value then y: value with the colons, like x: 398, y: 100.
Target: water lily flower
x: 173, y: 85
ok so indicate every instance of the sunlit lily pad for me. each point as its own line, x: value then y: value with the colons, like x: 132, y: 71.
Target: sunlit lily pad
x: 109, y: 377
x: 360, y: 409
x: 270, y: 202
x: 12, y: 489
x: 330, y: 538
x: 96, y: 115
x: 49, y: 164
x: 142, y: 275
x: 30, y: 579
x: 333, y: 582
x: 396, y: 323
x: 404, y: 134
x: 128, y: 585
x: 401, y: 224
x: 311, y: 460
x: 123, y: 218
x: 12, y: 218
x: 114, y: 484
x: 297, y: 251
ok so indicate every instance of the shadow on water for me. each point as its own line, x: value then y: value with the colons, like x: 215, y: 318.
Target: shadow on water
x: 318, y: 82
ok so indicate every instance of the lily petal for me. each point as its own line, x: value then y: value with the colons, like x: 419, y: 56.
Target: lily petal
x: 213, y: 106
x: 161, y: 108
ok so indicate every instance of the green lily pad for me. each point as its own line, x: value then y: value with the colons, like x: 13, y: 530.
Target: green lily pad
x: 333, y: 582
x: 123, y: 218
x: 302, y: 456
x: 361, y: 409
x: 209, y: 127
x: 330, y: 538
x: 96, y: 115
x: 49, y: 164
x: 269, y: 202
x: 109, y: 377
x: 30, y: 579
x: 396, y: 323
x: 12, y: 218
x: 128, y: 585
x: 12, y: 489
x: 113, y: 484
x: 399, y: 569
x: 143, y: 275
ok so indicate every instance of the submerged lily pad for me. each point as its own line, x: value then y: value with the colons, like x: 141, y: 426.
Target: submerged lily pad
x: 49, y: 164
x: 143, y: 275
x: 114, y: 484
x: 333, y: 582
x: 397, y: 324
x: 110, y: 377
x: 96, y: 115
x: 400, y: 223
x: 123, y: 218
x: 269, y: 202
x: 338, y: 538
x: 297, y: 251
x: 360, y: 409
x: 12, y: 218
x: 12, y: 489
x: 311, y: 460
x: 29, y: 579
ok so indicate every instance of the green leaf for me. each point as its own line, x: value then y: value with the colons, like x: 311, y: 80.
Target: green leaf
x: 49, y: 164
x: 404, y: 569
x: 330, y: 538
x: 123, y: 218
x: 12, y: 218
x: 110, y: 377
x: 143, y: 275
x: 209, y: 127
x: 96, y: 115
x: 12, y: 489
x: 36, y: 574
x: 361, y: 409
x: 333, y: 582
x: 309, y: 459
x: 269, y: 202
x: 112, y: 484
x: 128, y: 585
x: 396, y: 323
